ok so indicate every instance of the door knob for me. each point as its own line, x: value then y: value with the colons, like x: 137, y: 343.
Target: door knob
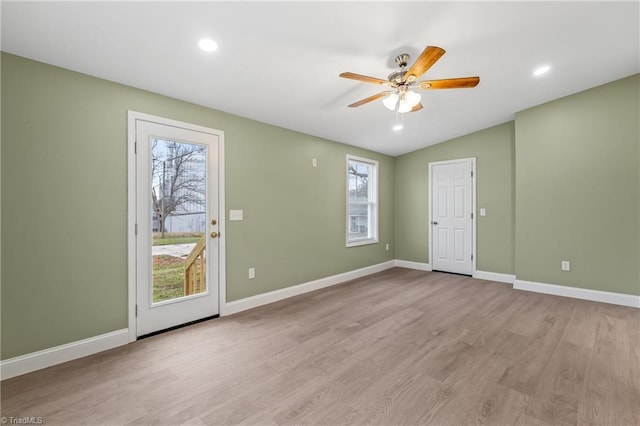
x: 215, y: 234
x: 434, y: 223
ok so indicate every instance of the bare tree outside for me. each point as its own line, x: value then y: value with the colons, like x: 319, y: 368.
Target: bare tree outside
x: 178, y: 195
x: 178, y: 180
x: 359, y: 188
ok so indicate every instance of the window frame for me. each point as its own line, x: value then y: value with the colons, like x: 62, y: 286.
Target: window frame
x: 372, y: 203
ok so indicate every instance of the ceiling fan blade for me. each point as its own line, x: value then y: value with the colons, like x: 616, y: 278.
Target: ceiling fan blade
x: 427, y: 58
x: 450, y: 83
x: 365, y: 78
x: 417, y: 107
x: 370, y: 99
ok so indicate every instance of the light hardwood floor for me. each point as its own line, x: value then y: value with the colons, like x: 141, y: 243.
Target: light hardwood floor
x: 398, y: 347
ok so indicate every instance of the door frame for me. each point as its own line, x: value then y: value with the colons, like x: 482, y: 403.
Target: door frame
x: 132, y: 116
x: 473, y: 207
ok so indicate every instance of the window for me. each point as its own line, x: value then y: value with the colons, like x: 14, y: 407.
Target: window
x: 362, y: 205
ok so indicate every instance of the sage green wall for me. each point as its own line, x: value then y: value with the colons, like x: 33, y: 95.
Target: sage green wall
x: 294, y: 215
x: 63, y: 185
x: 64, y: 203
x: 493, y: 149
x: 577, y: 189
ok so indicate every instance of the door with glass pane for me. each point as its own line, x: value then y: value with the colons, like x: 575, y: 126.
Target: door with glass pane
x: 177, y: 238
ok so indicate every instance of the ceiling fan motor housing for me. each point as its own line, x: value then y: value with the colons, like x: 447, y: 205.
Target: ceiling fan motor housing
x: 397, y: 77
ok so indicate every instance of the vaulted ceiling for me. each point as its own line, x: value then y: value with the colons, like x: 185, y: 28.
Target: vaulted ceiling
x: 278, y: 62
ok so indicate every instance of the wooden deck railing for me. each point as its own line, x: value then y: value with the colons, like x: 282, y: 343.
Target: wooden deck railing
x: 194, y: 264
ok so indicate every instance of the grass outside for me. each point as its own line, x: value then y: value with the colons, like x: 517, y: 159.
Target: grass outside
x: 168, y: 271
x: 168, y: 278
x: 175, y: 238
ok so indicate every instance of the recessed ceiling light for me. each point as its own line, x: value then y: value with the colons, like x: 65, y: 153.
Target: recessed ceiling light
x: 208, y: 45
x: 398, y: 127
x: 541, y: 70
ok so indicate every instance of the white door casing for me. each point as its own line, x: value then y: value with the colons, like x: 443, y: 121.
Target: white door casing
x: 451, y: 216
x: 145, y: 316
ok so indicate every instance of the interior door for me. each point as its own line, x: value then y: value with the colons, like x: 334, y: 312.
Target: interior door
x: 177, y: 239
x: 451, y: 217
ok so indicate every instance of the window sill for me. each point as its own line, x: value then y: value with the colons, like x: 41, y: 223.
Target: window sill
x: 357, y: 243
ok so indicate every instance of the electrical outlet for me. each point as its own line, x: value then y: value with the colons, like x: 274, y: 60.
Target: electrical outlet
x: 252, y: 273
x: 386, y: 247
x: 566, y: 265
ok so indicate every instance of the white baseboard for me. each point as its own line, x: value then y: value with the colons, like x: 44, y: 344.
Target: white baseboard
x: 412, y: 265
x: 284, y: 293
x: 495, y: 276
x: 45, y: 358
x: 579, y: 293
x: 557, y: 290
x: 57, y: 355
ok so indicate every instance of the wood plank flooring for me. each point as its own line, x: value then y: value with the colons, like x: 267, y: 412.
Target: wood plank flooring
x: 399, y: 347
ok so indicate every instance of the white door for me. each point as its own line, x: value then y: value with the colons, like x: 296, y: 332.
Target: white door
x: 177, y: 222
x: 452, y: 216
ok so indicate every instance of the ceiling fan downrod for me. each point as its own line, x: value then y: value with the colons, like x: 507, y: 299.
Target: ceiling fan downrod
x: 397, y: 77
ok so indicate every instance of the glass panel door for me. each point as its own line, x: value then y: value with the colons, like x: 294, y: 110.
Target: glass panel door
x: 178, y: 218
x: 178, y: 238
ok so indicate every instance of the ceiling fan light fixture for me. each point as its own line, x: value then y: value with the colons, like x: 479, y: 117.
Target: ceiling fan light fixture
x: 404, y: 107
x: 412, y: 98
x: 408, y: 100
x: 391, y: 101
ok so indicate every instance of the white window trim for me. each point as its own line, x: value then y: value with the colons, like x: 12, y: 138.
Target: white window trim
x: 374, y: 179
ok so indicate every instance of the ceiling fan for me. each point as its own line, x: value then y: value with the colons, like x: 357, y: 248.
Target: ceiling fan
x: 400, y: 98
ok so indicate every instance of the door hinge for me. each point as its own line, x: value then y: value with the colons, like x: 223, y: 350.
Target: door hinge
x: 135, y: 147
x: 471, y: 173
x: 471, y: 257
x: 471, y: 215
x: 136, y: 229
x: 136, y: 310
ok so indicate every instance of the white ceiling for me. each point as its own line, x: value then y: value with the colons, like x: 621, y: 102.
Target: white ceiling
x: 279, y: 62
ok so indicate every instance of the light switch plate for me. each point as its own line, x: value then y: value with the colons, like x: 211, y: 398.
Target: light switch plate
x: 235, y: 214
x: 483, y: 212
